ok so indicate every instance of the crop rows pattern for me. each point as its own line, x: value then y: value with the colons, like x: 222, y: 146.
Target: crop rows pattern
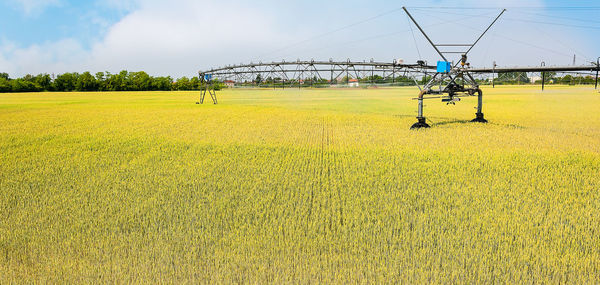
x: 299, y: 186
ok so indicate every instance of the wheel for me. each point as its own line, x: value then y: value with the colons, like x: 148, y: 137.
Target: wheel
x: 479, y: 119
x: 421, y: 124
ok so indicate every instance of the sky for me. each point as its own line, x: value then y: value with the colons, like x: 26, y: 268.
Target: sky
x: 181, y: 37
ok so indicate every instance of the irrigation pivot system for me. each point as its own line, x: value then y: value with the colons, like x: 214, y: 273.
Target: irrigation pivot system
x: 453, y: 81
x: 448, y: 80
x: 289, y: 74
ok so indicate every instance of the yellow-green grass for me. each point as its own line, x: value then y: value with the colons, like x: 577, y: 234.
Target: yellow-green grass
x: 300, y: 186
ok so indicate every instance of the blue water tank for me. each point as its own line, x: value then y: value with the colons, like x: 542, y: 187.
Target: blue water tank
x: 444, y: 66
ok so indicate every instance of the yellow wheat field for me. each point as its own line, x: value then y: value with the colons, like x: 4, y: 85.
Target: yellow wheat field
x: 300, y: 186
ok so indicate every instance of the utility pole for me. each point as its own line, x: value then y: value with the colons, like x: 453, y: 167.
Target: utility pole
x: 543, y: 76
x: 372, y: 72
x: 494, y: 76
x: 393, y: 72
x: 284, y: 75
x: 597, y: 69
x: 348, y: 73
x: 331, y: 81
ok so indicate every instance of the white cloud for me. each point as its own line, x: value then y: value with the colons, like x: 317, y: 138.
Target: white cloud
x: 168, y: 38
x: 163, y: 38
x: 60, y: 56
x: 179, y: 37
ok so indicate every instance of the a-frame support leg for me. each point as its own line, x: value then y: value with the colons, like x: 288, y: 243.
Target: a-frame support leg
x: 211, y: 92
x: 213, y: 95
x: 202, y: 95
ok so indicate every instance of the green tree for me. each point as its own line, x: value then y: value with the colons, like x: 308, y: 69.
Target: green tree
x: 183, y: 83
x: 162, y: 83
x: 43, y: 81
x: 140, y: 81
x: 86, y: 82
x: 66, y: 82
x: 5, y: 85
x: 121, y: 81
x: 550, y: 77
x: 567, y: 79
x: 24, y: 85
x: 31, y: 85
x: 101, y: 80
x: 195, y: 82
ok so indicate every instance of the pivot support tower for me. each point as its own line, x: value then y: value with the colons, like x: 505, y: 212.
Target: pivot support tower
x: 208, y: 87
x: 451, y: 81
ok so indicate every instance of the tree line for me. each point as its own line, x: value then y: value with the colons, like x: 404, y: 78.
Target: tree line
x: 516, y: 78
x: 101, y: 81
x: 141, y: 81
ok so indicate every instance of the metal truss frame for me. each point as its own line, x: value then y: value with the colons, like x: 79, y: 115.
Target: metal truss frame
x: 294, y: 74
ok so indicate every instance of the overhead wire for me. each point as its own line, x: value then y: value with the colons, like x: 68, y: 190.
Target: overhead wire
x: 466, y: 16
x: 556, y: 17
x: 333, y: 31
x: 414, y: 38
x: 504, y: 36
x: 556, y: 39
x: 487, y: 50
x: 445, y: 12
x: 554, y: 24
x: 384, y: 35
x: 523, y: 20
x: 510, y: 7
x: 520, y: 42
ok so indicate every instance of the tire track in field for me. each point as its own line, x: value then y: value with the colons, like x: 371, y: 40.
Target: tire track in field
x: 299, y: 171
x: 325, y: 177
x: 325, y: 189
x: 316, y: 169
x: 326, y: 193
x: 291, y: 169
x: 331, y: 166
x: 318, y: 165
x: 339, y: 170
x: 310, y: 177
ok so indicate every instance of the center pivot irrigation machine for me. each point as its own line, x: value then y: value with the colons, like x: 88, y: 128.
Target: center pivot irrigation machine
x: 453, y: 81
x: 449, y: 81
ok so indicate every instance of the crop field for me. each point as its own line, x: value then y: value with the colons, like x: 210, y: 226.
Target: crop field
x: 300, y: 186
